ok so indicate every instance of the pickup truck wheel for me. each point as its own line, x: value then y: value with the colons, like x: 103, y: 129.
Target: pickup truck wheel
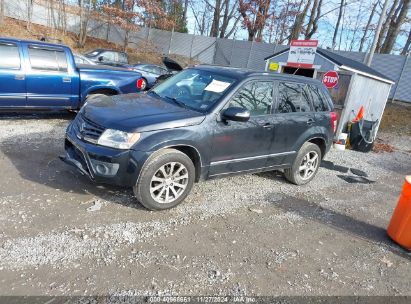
x: 305, y: 165
x: 165, y: 180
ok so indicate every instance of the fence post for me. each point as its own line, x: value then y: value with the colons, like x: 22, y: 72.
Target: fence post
x: 399, y: 79
x: 249, y: 54
x: 191, y: 47
x: 231, y: 54
x: 171, y: 40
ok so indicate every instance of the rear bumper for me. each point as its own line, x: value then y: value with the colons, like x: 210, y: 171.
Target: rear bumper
x: 102, y: 164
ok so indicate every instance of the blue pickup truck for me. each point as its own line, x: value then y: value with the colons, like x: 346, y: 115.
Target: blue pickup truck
x: 37, y: 75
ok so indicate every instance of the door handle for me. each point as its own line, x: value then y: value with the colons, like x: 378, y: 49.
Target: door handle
x: 66, y: 79
x: 310, y: 121
x: 268, y: 125
x: 19, y: 77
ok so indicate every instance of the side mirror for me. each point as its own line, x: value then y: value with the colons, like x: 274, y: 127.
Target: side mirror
x: 100, y: 58
x: 236, y: 114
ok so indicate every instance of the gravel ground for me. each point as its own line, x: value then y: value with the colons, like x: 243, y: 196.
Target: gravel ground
x: 247, y: 235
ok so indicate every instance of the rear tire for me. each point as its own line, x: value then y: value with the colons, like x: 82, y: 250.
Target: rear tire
x: 305, y: 165
x: 165, y: 180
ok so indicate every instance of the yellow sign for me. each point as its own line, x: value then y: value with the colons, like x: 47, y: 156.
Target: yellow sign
x: 273, y: 66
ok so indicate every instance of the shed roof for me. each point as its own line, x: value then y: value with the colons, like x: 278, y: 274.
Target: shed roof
x: 344, y: 63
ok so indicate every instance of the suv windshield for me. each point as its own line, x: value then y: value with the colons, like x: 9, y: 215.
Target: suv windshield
x: 195, y: 89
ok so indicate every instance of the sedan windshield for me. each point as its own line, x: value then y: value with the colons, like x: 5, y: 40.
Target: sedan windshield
x: 198, y: 90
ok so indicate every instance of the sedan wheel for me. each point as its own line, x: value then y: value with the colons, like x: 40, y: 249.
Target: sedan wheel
x: 169, y: 182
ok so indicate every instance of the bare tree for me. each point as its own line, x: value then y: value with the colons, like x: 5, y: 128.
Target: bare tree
x: 230, y: 13
x: 356, y: 26
x: 386, y: 25
x: 299, y: 20
x: 395, y: 26
x: 202, y: 17
x: 367, y: 27
x: 29, y: 9
x: 185, y: 9
x: 407, y: 45
x: 85, y: 7
x: 337, y: 26
x: 215, y: 25
x: 312, y: 26
x: 255, y: 14
x: 1, y: 12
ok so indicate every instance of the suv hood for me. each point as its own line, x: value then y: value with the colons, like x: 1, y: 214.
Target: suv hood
x: 138, y: 113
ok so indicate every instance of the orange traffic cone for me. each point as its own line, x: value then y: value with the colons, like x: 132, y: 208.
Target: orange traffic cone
x: 400, y: 226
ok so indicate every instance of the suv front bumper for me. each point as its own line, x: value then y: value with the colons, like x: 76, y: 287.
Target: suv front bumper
x: 102, y: 164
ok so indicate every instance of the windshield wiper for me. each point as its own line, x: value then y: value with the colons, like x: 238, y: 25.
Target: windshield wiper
x: 154, y: 93
x: 177, y: 102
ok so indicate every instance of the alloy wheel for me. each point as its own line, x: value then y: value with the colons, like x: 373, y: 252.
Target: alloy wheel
x: 169, y: 182
x: 308, y: 165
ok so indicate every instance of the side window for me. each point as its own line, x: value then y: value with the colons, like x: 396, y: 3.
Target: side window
x: 289, y: 95
x: 318, y: 99
x: 9, y: 56
x: 158, y: 70
x: 78, y: 60
x: 293, y: 97
x: 108, y: 56
x: 47, y: 59
x: 256, y: 96
x: 122, y: 57
x: 305, y: 100
x: 150, y: 69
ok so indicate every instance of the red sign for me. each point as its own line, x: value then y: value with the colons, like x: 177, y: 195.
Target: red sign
x: 330, y: 79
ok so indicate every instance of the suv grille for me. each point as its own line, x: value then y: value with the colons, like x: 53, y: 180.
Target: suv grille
x: 87, y: 129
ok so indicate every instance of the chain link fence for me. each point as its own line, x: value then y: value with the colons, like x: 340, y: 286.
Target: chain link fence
x: 207, y: 50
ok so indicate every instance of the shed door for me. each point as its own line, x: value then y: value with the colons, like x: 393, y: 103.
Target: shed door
x: 339, y: 93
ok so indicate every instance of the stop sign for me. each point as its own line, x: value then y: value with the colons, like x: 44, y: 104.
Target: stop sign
x: 330, y: 79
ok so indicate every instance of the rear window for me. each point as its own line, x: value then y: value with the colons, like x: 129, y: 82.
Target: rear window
x: 123, y: 58
x: 318, y: 98
x: 47, y: 59
x: 9, y: 56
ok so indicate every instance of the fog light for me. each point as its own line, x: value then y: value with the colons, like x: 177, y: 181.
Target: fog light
x: 103, y: 168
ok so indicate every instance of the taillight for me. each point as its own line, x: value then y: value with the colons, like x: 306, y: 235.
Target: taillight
x: 334, y: 121
x: 140, y: 84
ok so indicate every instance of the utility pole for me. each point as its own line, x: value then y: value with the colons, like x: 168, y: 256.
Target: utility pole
x: 377, y: 33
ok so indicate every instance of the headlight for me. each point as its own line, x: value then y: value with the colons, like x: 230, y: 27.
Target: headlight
x: 118, y: 139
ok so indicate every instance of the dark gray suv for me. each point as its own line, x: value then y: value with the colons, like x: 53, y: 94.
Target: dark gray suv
x: 205, y: 122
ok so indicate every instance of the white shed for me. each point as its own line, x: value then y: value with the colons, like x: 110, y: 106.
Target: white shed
x: 359, y: 85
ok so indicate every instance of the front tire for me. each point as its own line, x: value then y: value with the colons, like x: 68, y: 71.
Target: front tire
x: 165, y: 180
x: 305, y: 165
